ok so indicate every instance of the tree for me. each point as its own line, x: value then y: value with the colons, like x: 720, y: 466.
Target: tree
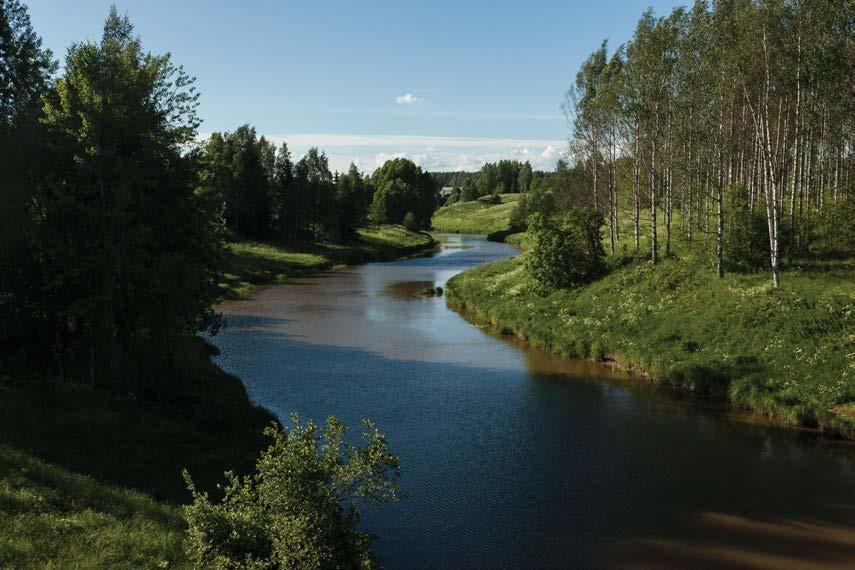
x: 128, y: 251
x: 25, y: 68
x: 314, y: 196
x: 352, y: 199
x: 240, y: 171
x: 402, y: 187
x: 300, y: 509
x: 524, y: 177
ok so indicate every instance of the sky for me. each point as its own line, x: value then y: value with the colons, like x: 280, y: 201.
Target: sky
x: 448, y: 84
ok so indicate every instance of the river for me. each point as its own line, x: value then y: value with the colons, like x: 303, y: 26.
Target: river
x: 514, y: 458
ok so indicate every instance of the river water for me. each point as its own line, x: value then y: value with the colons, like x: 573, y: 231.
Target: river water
x: 514, y: 458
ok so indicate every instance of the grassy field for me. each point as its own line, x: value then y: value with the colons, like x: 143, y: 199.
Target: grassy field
x: 91, y: 481
x: 475, y: 217
x: 787, y: 353
x: 250, y: 263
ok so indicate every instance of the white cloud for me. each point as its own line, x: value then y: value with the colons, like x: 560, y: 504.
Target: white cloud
x: 549, y: 153
x: 407, y: 99
x: 432, y: 153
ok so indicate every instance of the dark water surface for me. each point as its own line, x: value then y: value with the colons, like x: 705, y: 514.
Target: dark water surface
x: 513, y: 458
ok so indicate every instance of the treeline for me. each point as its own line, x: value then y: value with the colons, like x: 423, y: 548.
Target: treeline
x: 502, y: 177
x: 261, y: 192
x: 113, y: 217
x: 733, y: 121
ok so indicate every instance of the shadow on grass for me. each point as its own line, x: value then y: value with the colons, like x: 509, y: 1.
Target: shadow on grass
x: 209, y: 427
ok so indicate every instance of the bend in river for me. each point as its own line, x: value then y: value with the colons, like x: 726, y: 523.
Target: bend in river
x: 512, y: 457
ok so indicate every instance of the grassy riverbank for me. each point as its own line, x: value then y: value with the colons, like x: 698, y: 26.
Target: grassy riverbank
x: 475, y: 217
x: 249, y: 263
x: 89, y: 480
x: 787, y: 353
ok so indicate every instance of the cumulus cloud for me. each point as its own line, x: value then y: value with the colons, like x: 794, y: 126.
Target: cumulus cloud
x: 432, y: 153
x: 549, y: 153
x: 406, y: 99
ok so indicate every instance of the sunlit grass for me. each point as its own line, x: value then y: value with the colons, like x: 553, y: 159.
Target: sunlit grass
x: 475, y: 217
x: 249, y: 263
x: 788, y: 353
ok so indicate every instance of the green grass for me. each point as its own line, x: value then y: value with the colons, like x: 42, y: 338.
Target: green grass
x: 787, y: 353
x: 92, y: 481
x: 475, y: 217
x: 249, y: 263
x: 51, y: 517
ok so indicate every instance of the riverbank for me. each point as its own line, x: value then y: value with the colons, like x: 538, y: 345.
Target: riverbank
x: 475, y: 217
x: 91, y: 480
x: 249, y: 263
x: 788, y: 354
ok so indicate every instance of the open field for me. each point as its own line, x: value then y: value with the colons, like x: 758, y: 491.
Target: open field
x: 475, y: 217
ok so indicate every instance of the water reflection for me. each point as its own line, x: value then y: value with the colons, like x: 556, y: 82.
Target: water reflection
x: 513, y: 457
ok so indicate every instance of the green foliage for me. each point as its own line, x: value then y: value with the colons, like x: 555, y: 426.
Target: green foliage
x: 401, y: 188
x: 518, y: 221
x: 829, y: 233
x: 239, y: 172
x: 300, y: 507
x: 352, y: 197
x: 746, y: 237
x: 410, y: 222
x: 118, y: 255
x: 566, y: 254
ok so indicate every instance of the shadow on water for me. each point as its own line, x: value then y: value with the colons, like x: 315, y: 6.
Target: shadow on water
x: 551, y: 467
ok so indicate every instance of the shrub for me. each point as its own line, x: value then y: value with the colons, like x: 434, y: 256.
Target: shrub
x: 566, y: 255
x: 299, y: 508
x: 410, y: 222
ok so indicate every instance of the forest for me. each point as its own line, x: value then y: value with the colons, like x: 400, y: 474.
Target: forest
x: 731, y: 120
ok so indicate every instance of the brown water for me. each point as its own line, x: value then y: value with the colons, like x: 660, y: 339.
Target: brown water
x: 512, y: 457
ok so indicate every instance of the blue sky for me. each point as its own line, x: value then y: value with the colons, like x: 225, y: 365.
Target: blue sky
x: 448, y: 84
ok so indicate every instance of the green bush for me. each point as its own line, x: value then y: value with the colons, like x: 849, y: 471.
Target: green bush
x: 299, y: 508
x: 410, y: 222
x: 567, y: 254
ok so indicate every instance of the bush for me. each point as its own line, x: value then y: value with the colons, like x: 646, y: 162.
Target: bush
x: 490, y: 199
x: 566, y: 255
x: 299, y: 508
x: 410, y: 222
x: 746, y: 238
x: 519, y: 215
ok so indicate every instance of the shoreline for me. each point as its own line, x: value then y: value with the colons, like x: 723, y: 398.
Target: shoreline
x: 250, y: 264
x: 537, y: 329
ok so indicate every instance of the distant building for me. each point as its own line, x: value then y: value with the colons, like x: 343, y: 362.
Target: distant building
x: 446, y: 191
